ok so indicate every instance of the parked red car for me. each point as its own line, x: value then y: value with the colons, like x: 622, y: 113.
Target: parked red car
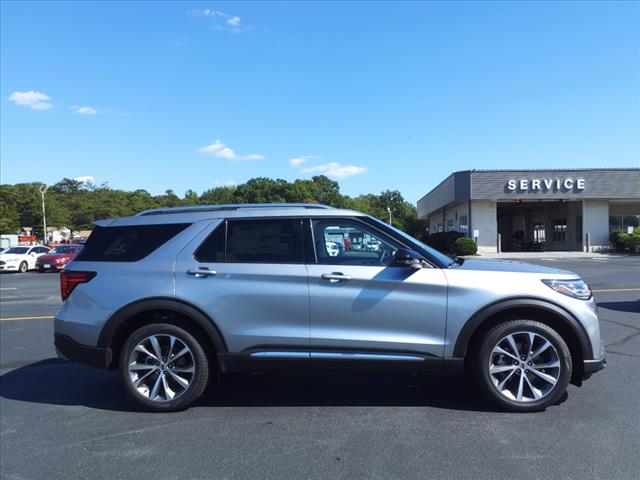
x: 57, y: 258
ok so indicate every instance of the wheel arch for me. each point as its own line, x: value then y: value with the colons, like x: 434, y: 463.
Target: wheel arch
x: 551, y: 314
x: 145, y: 311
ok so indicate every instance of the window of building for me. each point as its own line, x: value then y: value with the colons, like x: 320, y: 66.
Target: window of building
x: 538, y: 232
x: 463, y: 224
x: 449, y: 225
x: 348, y: 242
x: 560, y: 230
x: 622, y: 222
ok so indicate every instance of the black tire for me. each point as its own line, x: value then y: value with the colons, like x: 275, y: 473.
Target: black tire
x: 481, y: 358
x: 24, y: 266
x: 198, y: 382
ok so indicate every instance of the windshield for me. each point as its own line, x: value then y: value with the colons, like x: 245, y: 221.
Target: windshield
x: 17, y: 250
x: 65, y: 249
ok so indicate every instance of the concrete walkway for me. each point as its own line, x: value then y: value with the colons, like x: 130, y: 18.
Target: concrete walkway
x: 558, y: 255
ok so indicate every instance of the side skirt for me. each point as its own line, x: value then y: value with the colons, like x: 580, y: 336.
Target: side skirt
x: 295, y: 360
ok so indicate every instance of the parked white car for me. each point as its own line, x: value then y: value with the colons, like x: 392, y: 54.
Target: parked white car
x: 332, y: 249
x: 21, y: 258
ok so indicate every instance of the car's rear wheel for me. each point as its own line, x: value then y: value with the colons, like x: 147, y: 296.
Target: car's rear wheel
x: 23, y: 267
x: 164, y: 367
x: 522, y: 365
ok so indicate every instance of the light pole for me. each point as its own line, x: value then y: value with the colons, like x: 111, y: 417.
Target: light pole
x: 389, y: 210
x: 43, y: 189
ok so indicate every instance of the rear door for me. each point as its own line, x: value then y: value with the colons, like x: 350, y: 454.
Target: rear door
x: 360, y: 303
x: 249, y: 277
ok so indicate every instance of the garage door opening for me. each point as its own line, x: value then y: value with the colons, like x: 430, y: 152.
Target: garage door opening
x: 535, y: 226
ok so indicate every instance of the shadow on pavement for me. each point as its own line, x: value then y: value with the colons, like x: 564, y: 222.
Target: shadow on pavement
x: 57, y: 382
x: 632, y: 307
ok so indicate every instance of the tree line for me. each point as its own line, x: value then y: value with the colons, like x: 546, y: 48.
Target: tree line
x: 75, y: 205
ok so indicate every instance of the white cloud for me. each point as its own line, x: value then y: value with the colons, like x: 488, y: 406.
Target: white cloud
x: 222, y: 21
x: 297, y: 161
x: 220, y: 150
x: 84, y: 110
x: 84, y: 179
x: 336, y: 170
x: 253, y: 156
x: 31, y: 99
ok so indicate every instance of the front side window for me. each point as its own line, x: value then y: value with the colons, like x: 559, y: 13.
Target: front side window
x: 17, y: 250
x: 347, y: 242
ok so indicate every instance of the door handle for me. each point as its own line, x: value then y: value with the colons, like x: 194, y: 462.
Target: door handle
x: 201, y: 272
x: 335, y: 277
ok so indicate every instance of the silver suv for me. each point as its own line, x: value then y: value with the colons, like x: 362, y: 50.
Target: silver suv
x: 173, y: 297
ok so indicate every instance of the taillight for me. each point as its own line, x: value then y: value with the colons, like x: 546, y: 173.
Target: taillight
x: 71, y: 279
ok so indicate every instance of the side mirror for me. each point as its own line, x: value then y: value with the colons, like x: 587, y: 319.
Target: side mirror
x: 406, y: 257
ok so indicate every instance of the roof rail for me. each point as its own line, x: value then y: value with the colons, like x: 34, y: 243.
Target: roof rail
x: 219, y: 208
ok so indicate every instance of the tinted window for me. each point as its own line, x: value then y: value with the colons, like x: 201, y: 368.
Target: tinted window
x: 212, y: 249
x: 17, y: 250
x: 347, y: 242
x: 264, y: 241
x: 126, y: 244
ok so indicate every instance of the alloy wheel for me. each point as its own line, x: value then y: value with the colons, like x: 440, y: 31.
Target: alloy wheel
x: 524, y: 366
x: 161, y: 368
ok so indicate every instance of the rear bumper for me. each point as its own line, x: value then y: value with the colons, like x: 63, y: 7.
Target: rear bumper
x: 73, y: 351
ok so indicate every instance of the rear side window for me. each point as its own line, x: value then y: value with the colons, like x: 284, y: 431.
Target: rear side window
x: 212, y: 249
x: 254, y: 241
x: 127, y: 244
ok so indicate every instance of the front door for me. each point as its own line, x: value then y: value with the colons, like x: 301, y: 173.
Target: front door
x: 249, y: 277
x: 360, y: 303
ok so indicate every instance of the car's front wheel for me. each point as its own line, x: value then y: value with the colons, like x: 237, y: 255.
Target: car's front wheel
x: 164, y: 367
x: 522, y: 365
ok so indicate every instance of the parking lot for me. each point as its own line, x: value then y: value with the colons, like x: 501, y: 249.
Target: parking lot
x: 60, y: 420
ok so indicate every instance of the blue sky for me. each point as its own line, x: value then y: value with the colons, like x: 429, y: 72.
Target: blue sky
x: 377, y: 95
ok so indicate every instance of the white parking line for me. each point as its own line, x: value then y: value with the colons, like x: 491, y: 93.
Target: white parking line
x: 8, y: 288
x: 617, y: 290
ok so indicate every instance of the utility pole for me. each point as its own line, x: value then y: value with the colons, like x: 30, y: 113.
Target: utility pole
x: 389, y: 210
x: 43, y: 189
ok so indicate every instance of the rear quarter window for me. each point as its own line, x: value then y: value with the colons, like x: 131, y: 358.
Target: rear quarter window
x: 127, y: 244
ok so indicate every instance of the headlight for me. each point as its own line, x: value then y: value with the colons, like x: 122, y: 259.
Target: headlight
x: 575, y: 288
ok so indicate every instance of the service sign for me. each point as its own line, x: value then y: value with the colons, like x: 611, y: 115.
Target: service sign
x: 546, y: 185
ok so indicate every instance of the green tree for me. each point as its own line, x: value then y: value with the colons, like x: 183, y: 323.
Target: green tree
x: 9, y: 218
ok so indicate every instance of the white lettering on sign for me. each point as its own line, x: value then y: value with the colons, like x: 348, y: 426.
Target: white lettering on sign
x: 544, y: 185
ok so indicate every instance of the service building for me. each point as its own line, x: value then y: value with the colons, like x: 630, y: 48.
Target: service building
x: 524, y: 210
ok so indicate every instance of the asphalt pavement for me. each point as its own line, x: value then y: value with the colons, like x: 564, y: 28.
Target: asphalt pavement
x: 60, y: 420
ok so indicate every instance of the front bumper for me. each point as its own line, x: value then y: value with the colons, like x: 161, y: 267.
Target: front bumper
x: 69, y: 349
x: 593, y: 366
